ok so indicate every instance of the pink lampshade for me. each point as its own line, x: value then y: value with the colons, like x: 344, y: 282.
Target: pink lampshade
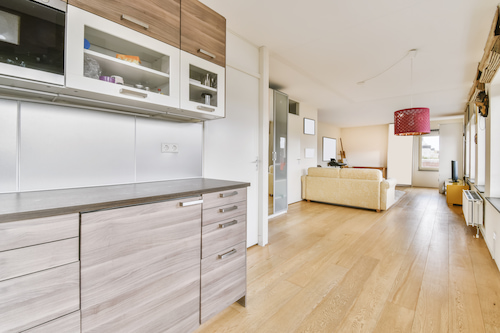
x: 414, y: 121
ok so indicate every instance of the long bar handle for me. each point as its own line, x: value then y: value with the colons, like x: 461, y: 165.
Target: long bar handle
x: 231, y: 194
x: 225, y: 210
x: 133, y: 93
x: 227, y: 254
x: 211, y: 55
x: 191, y: 203
x: 204, y: 108
x: 134, y: 20
x: 228, y: 224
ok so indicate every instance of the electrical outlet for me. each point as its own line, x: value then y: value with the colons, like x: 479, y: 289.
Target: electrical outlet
x: 169, y: 148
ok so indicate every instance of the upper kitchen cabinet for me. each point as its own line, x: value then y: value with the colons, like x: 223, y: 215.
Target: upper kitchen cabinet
x: 109, y: 62
x: 203, y: 32
x: 159, y: 19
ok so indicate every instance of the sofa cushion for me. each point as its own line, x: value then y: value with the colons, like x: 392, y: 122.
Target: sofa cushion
x: 368, y: 174
x: 323, y: 172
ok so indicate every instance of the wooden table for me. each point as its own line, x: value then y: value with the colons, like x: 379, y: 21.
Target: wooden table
x: 454, y: 192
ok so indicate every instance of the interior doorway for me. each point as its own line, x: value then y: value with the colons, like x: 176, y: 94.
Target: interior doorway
x: 278, y: 141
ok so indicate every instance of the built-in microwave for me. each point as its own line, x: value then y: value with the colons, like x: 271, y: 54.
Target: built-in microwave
x: 32, y: 34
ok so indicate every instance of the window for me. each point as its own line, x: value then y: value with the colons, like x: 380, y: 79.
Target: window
x: 429, y: 152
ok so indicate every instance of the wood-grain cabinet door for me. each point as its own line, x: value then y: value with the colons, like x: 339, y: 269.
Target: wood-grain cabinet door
x: 140, y: 268
x: 203, y: 32
x: 159, y: 19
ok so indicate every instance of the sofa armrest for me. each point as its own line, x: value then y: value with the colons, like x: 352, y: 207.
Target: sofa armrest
x: 387, y: 193
x: 388, y: 183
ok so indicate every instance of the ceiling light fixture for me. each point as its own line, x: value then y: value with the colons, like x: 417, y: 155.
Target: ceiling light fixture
x: 412, y: 121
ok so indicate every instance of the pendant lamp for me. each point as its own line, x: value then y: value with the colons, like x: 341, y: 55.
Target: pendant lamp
x: 412, y: 121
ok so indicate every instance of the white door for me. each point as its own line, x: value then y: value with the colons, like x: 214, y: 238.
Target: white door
x: 294, y: 161
x: 231, y: 144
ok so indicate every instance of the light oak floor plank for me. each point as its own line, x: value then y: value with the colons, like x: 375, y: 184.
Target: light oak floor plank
x: 327, y: 268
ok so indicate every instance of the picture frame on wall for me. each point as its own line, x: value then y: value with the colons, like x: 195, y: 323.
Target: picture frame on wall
x: 309, y: 126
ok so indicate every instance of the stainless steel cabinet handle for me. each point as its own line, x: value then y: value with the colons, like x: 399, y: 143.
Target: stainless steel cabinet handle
x: 228, y: 224
x: 225, y: 195
x: 134, y: 20
x: 227, y: 254
x: 204, y: 108
x: 133, y: 93
x: 225, y: 210
x: 211, y: 55
x: 191, y: 203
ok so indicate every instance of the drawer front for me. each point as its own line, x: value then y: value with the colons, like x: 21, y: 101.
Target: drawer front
x: 36, y: 258
x: 203, y: 29
x: 66, y: 324
x: 158, y: 19
x: 34, y: 299
x: 223, y: 280
x: 37, y: 231
x: 222, y: 198
x: 225, y: 212
x: 216, y: 237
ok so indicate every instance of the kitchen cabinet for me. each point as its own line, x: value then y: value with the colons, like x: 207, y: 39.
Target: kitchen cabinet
x: 159, y: 19
x: 203, y: 32
x: 140, y: 267
x: 202, y: 87
x: 40, y: 272
x: 223, y: 259
x: 109, y: 62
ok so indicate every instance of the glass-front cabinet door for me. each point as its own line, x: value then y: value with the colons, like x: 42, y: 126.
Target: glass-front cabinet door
x: 202, y: 86
x: 107, y: 61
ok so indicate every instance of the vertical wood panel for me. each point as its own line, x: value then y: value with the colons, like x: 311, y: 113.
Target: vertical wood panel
x: 36, y: 298
x: 141, y: 268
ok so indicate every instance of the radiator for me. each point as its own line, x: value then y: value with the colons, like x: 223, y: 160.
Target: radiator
x: 472, y: 207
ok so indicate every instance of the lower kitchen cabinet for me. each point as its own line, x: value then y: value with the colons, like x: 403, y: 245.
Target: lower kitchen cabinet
x: 223, y: 258
x: 39, y: 272
x: 140, y: 268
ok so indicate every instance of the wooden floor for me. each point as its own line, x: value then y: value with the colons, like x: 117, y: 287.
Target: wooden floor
x: 413, y: 268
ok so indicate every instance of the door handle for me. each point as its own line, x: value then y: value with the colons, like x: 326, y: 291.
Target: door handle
x: 228, y: 224
x: 227, y: 254
x: 191, y: 203
x: 231, y: 194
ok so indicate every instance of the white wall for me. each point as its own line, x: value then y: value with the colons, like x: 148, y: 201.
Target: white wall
x: 329, y: 131
x: 64, y: 147
x: 365, y: 146
x: 451, y: 147
x: 298, y: 142
x: 399, y: 157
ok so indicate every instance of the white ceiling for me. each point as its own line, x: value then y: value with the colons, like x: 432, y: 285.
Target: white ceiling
x: 320, y: 49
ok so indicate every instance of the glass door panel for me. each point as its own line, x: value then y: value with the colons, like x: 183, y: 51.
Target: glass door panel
x: 280, y: 106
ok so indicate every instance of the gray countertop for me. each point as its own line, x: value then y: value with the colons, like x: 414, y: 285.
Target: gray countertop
x: 29, y: 205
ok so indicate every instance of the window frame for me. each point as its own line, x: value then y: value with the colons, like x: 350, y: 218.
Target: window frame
x: 420, y: 139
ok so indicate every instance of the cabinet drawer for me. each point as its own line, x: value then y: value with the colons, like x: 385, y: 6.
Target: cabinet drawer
x: 216, y: 237
x: 223, y: 280
x: 224, y: 197
x: 222, y: 213
x: 36, y: 258
x: 158, y: 19
x: 36, y: 231
x: 203, y: 32
x: 34, y: 299
x: 66, y: 324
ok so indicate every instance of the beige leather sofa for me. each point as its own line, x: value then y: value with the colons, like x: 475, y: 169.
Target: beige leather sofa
x: 350, y: 187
